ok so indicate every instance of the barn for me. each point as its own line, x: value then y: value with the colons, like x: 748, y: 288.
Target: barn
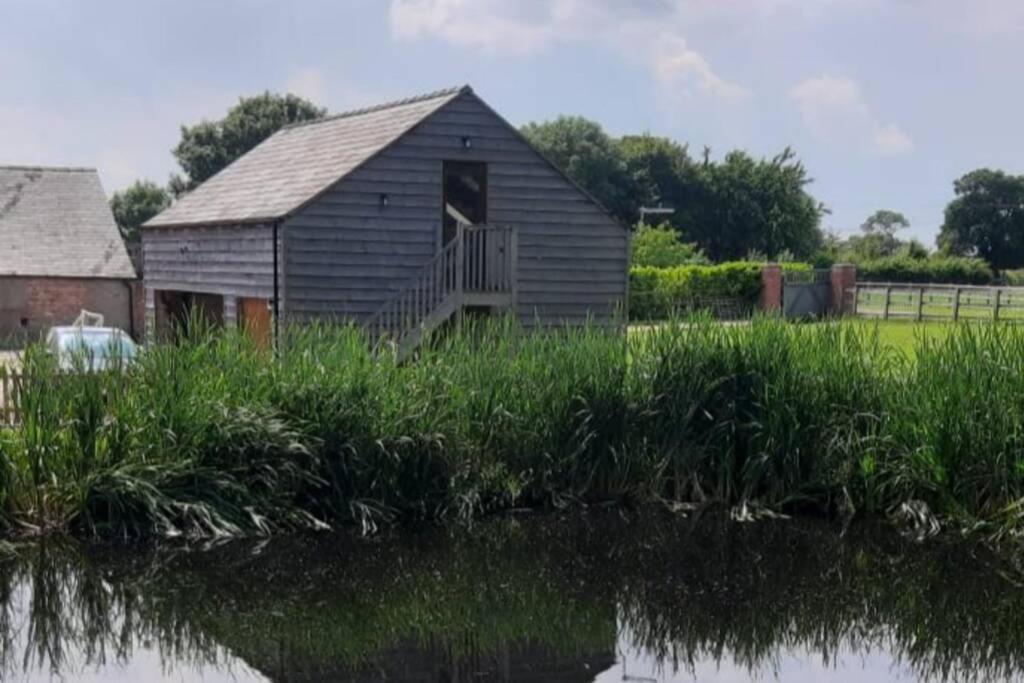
x: 61, y: 252
x: 399, y: 217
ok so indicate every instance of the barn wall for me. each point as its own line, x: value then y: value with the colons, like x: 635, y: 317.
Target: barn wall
x: 345, y: 255
x: 31, y: 305
x: 231, y: 261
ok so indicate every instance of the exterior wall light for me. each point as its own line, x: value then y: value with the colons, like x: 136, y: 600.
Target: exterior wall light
x: 384, y: 199
x: 467, y: 142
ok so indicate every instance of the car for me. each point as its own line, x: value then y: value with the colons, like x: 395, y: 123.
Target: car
x: 79, y: 347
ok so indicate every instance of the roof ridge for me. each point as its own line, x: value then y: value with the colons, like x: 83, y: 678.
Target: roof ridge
x: 446, y: 92
x: 63, y: 169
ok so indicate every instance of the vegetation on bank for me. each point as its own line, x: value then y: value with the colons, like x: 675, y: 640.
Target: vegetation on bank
x: 214, y: 437
x: 659, y: 293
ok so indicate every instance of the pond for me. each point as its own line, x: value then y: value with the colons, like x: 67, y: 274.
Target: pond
x: 585, y: 597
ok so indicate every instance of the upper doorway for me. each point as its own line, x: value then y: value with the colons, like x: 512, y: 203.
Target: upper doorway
x: 465, y: 196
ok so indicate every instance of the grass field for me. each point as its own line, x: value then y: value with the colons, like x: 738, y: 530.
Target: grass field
x: 904, y: 335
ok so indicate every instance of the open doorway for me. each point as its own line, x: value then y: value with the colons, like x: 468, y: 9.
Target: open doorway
x: 465, y: 196
x: 177, y: 312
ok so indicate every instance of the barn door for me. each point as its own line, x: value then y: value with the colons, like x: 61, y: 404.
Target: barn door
x: 254, y: 319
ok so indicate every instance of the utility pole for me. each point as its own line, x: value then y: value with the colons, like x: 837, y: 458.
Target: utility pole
x: 658, y: 210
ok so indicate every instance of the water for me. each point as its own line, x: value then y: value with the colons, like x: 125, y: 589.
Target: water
x: 594, y: 597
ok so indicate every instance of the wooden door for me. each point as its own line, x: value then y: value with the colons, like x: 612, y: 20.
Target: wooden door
x: 254, y: 319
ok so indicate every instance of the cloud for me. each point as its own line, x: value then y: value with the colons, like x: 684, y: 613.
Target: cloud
x: 646, y: 31
x: 891, y: 140
x: 309, y: 83
x: 834, y: 110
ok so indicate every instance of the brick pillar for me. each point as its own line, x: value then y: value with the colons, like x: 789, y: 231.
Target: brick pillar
x: 771, y: 287
x: 842, y: 277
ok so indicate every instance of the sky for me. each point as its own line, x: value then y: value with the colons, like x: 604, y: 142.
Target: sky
x: 887, y: 102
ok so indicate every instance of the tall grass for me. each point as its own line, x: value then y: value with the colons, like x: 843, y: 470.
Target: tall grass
x: 213, y: 436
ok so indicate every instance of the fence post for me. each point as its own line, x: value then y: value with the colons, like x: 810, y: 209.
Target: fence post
x: 920, y: 303
x: 956, y: 304
x: 856, y: 298
x: 995, y: 310
x: 888, y: 297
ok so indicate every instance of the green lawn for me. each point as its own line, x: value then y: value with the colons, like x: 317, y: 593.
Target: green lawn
x: 903, y: 334
x: 900, y: 334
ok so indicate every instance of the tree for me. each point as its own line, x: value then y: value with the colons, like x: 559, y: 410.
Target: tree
x: 744, y: 205
x: 136, y: 204
x: 209, y: 146
x: 662, y: 248
x: 879, y: 239
x: 885, y: 222
x: 659, y: 171
x: 586, y: 154
x: 986, y: 218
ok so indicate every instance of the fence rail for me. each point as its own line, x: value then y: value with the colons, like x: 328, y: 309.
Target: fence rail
x: 904, y: 301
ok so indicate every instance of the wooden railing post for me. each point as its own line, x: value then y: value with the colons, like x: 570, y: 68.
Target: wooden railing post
x: 956, y: 304
x: 513, y: 265
x: 920, y: 303
x: 460, y: 256
x: 888, y: 297
x: 995, y: 309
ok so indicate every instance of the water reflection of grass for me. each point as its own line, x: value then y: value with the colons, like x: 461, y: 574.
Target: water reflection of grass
x: 687, y: 593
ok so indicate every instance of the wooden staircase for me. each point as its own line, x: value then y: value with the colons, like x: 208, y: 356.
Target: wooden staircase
x: 477, y: 268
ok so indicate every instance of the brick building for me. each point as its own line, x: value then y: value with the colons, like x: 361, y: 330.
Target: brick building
x: 60, y: 252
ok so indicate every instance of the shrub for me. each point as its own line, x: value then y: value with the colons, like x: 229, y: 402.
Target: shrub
x: 658, y: 293
x: 939, y: 269
x: 661, y: 247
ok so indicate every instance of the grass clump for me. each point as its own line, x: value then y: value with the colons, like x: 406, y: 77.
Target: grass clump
x: 213, y: 436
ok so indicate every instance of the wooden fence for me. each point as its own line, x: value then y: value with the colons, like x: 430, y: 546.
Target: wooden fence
x: 903, y: 301
x: 10, y: 397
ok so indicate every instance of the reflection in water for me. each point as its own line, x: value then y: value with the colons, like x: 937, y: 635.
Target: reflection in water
x: 587, y: 598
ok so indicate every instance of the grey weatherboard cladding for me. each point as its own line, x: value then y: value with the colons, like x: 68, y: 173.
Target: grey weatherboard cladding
x: 343, y: 255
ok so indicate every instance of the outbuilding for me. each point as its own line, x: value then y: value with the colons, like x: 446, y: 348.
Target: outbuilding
x: 400, y: 217
x: 60, y: 252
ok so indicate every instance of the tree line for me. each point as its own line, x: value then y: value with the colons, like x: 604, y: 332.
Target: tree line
x: 721, y: 209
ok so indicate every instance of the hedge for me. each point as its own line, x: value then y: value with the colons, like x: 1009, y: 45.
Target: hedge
x: 943, y: 269
x: 657, y: 293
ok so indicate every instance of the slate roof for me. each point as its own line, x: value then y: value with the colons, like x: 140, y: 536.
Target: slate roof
x: 56, y: 222
x: 298, y: 162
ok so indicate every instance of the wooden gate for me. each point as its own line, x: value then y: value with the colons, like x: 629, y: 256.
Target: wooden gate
x: 806, y: 294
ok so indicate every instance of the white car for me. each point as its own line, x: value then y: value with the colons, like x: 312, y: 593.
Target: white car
x: 90, y: 348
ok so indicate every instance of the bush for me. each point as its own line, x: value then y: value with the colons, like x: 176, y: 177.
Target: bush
x: 658, y: 293
x: 661, y: 247
x: 954, y: 270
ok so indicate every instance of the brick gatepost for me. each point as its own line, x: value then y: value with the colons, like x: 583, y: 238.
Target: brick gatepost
x: 771, y: 287
x: 842, y: 277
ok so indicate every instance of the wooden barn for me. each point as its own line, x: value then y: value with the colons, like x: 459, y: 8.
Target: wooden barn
x: 400, y: 217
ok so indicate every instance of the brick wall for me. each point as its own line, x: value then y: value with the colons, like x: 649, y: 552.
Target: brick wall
x: 843, y: 277
x: 771, y: 288
x: 31, y: 305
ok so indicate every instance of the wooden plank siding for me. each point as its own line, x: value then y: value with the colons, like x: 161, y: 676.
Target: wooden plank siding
x: 232, y: 261
x: 345, y: 256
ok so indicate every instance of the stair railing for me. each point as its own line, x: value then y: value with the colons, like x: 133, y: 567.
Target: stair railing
x: 436, y: 281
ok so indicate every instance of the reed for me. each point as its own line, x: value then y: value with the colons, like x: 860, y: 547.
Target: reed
x: 213, y: 436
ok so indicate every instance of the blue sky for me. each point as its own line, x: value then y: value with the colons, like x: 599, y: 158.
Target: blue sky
x: 886, y: 101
